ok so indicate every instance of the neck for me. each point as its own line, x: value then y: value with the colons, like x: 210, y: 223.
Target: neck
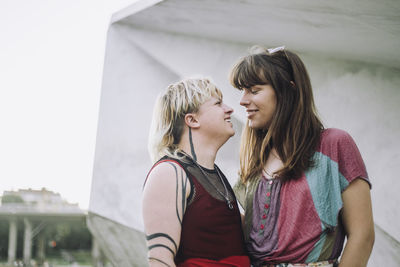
x: 206, y: 152
x: 273, y: 164
x: 273, y: 153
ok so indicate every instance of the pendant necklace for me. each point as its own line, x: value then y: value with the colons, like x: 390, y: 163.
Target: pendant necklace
x: 268, y: 175
x: 226, y: 195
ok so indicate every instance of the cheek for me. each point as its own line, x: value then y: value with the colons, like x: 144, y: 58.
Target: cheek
x: 271, y: 111
x: 270, y: 104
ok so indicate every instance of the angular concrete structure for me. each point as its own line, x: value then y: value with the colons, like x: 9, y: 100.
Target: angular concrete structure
x: 349, y: 47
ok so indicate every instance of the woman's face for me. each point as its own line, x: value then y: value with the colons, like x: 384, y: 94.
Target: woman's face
x: 260, y: 103
x: 215, y: 118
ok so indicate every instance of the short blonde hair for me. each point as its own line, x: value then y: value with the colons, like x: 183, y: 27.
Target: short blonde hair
x: 169, y: 112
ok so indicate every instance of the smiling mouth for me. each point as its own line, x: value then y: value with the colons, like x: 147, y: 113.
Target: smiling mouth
x: 251, y: 112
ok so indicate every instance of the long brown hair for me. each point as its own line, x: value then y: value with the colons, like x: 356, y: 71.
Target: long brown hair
x: 295, y: 128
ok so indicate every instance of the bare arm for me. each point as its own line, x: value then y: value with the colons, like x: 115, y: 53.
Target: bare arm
x: 164, y: 204
x: 359, y: 225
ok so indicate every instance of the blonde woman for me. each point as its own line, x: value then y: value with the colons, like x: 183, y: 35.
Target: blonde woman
x: 190, y: 213
x: 304, y: 188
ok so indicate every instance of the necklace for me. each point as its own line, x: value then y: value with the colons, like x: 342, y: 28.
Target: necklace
x: 226, y: 195
x: 268, y: 175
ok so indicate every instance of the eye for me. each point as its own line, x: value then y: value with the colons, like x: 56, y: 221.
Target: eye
x: 251, y: 90
x: 219, y: 102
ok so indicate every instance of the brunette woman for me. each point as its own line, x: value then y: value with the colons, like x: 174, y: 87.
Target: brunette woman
x: 304, y: 188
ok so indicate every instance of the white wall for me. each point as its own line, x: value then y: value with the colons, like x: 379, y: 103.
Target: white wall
x: 364, y: 100
x: 358, y: 97
x: 132, y: 80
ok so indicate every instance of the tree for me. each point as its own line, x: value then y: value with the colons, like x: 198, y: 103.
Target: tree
x: 11, y: 199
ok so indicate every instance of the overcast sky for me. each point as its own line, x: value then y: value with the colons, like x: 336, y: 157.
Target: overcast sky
x: 51, y: 62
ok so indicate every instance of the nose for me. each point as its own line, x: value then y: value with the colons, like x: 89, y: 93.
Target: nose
x: 244, y: 101
x: 228, y: 109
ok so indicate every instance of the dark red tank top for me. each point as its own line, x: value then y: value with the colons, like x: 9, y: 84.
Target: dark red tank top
x: 210, y: 229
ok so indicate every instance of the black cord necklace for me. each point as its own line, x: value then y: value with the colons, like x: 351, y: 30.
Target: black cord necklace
x: 226, y: 195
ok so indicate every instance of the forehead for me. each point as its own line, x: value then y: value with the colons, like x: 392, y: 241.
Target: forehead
x: 213, y: 92
x: 212, y: 99
x: 209, y: 102
x: 216, y: 95
x: 248, y: 73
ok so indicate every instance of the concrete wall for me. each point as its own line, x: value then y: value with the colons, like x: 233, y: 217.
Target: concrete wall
x: 132, y: 80
x: 357, y: 97
x: 364, y: 100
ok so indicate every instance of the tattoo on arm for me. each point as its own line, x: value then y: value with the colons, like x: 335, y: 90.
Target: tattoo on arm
x: 162, y: 235
x: 155, y: 259
x: 156, y: 235
x: 163, y: 240
x: 161, y: 245
x: 183, y: 181
x: 184, y: 184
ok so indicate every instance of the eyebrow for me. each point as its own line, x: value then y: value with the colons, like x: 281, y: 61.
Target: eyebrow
x: 217, y: 97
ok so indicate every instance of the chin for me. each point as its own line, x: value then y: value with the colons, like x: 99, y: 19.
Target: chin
x: 256, y: 126
x: 229, y: 135
x: 253, y: 126
x: 231, y: 132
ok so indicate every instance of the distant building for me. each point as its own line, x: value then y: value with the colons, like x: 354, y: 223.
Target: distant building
x: 36, y: 209
x: 30, y: 202
x: 39, y: 198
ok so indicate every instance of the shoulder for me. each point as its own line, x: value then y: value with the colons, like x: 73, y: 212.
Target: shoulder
x: 167, y: 176
x: 165, y: 169
x: 164, y: 172
x: 333, y: 138
x: 240, y: 191
x: 338, y: 146
x: 334, y: 135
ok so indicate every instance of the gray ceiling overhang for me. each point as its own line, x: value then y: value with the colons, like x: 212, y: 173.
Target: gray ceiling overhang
x: 367, y: 31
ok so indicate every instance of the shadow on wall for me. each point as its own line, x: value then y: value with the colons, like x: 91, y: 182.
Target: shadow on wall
x: 125, y: 246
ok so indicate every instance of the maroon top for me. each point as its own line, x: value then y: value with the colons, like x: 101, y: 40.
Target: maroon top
x: 209, y: 228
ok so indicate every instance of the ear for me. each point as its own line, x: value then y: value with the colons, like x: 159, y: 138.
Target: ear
x: 192, y: 121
